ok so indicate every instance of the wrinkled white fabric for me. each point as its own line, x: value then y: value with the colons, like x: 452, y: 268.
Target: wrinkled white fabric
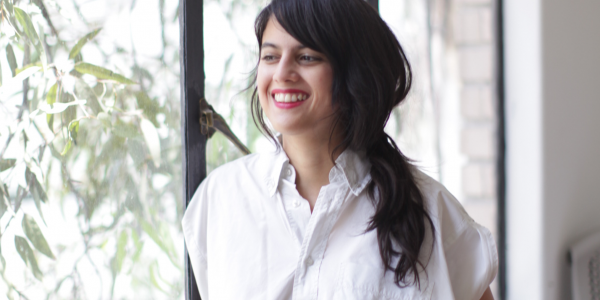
x: 250, y: 235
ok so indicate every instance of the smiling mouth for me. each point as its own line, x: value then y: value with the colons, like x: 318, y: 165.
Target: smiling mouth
x: 289, y: 97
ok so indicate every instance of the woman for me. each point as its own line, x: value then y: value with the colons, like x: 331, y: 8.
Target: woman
x: 337, y: 212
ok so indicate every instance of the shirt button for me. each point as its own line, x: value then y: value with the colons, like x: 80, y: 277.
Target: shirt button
x: 296, y: 203
x: 288, y: 172
x: 309, y: 262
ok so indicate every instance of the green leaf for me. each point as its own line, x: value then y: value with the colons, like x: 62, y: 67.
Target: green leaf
x: 28, y: 27
x: 152, y: 140
x: 125, y: 130
x: 12, y: 60
x: 51, y: 99
x: 34, y: 234
x: 25, y: 73
x: 73, y: 131
x: 38, y: 193
x: 67, y: 148
x: 120, y: 255
x: 9, y: 9
x: 6, y: 164
x: 77, y: 48
x: 149, y: 106
x: 2, y: 261
x: 58, y: 107
x: 101, y: 73
x: 27, y: 256
x: 21, y: 193
x: 139, y: 245
x: 19, y: 70
x: 9, y: 6
x: 3, y: 207
x: 31, y: 34
x: 70, y: 112
x: 0, y: 74
x: 153, y: 276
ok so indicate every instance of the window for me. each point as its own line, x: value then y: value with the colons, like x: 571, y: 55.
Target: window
x: 91, y: 150
x: 97, y: 119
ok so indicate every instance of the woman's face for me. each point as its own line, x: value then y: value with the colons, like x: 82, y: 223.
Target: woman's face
x: 294, y: 85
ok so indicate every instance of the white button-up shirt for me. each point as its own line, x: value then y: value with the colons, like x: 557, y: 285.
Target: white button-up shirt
x: 250, y: 235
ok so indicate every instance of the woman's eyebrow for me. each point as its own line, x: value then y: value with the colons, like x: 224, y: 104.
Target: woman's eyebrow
x: 271, y: 45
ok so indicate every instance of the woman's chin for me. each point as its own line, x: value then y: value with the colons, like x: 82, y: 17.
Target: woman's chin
x: 287, y: 129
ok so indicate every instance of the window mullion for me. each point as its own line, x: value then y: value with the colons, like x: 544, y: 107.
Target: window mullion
x: 192, y: 90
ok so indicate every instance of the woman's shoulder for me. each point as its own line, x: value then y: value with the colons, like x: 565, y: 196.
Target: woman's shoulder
x: 469, y: 248
x: 445, y: 210
x: 255, y: 165
x: 233, y: 181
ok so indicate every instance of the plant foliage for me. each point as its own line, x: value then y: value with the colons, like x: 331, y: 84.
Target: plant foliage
x: 90, y: 139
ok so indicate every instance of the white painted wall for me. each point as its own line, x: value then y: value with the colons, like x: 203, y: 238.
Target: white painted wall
x: 553, y: 140
x: 523, y: 82
x: 571, y: 122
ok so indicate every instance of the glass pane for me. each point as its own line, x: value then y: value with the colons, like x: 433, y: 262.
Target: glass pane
x: 448, y: 124
x: 414, y: 123
x: 90, y: 150
x: 231, y: 53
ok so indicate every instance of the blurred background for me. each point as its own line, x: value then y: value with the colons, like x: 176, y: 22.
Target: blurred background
x: 503, y: 112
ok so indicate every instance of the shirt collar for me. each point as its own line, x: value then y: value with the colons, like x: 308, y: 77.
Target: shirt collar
x: 279, y: 160
x: 351, y: 167
x: 355, y: 169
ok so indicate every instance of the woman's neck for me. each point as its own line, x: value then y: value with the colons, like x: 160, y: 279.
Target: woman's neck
x: 311, y: 157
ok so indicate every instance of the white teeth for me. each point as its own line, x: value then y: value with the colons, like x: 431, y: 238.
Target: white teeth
x: 290, y: 97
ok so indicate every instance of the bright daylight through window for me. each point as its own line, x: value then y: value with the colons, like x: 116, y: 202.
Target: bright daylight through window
x: 90, y: 130
x: 90, y: 150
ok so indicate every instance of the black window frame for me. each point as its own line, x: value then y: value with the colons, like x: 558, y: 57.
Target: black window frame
x: 194, y: 142
x: 500, y: 150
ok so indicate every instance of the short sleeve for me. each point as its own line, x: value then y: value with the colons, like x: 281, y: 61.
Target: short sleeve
x: 194, y: 225
x: 472, y: 261
x: 469, y: 260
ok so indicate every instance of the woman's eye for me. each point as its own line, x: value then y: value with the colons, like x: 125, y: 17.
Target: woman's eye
x: 308, y: 58
x: 268, y: 57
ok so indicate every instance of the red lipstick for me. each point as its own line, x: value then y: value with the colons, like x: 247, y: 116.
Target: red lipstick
x: 287, y: 105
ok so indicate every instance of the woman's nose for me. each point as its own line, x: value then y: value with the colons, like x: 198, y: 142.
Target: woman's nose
x: 286, y: 70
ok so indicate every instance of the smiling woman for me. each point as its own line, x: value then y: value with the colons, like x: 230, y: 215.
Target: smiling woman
x: 294, y: 86
x: 336, y: 211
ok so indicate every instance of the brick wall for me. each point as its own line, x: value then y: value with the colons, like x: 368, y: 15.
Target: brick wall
x: 473, y: 35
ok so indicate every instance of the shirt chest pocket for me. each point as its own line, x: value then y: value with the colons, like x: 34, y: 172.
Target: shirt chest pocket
x: 360, y: 282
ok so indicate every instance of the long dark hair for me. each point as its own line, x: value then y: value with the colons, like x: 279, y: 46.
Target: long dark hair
x: 371, y: 77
